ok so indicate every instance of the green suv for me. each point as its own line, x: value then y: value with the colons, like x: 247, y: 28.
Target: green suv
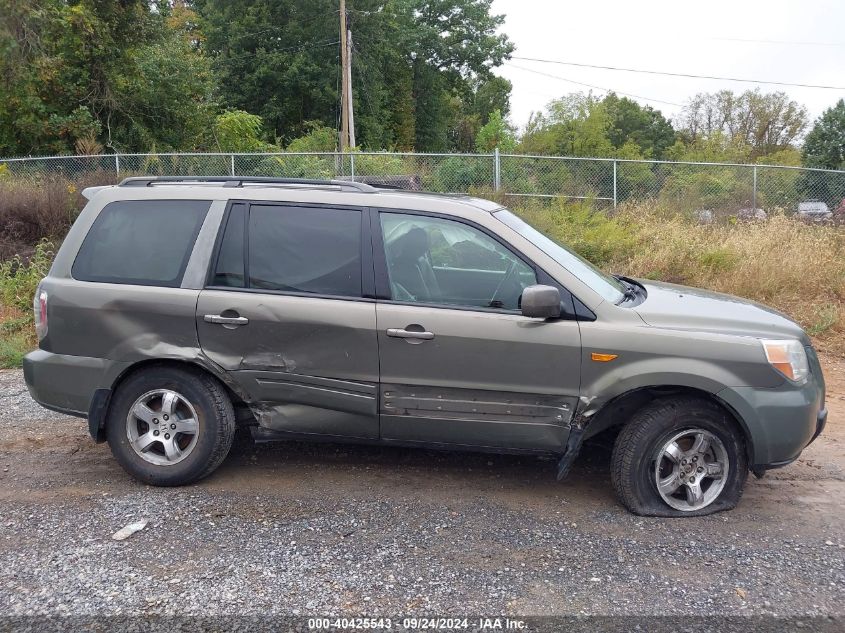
x: 180, y: 309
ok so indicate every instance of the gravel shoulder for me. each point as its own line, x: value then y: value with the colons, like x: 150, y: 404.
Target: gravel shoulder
x: 324, y: 529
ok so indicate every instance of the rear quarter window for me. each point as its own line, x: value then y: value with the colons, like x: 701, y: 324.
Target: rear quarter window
x: 143, y: 242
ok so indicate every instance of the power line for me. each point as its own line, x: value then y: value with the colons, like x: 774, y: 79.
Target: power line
x: 668, y: 74
x: 580, y: 83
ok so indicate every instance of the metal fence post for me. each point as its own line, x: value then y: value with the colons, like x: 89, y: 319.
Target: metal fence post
x: 352, y: 166
x: 497, y: 172
x: 754, y: 191
x: 233, y: 163
x: 117, y: 164
x: 615, y: 198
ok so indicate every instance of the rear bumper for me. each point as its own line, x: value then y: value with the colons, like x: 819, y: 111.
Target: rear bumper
x: 75, y: 385
x: 779, y: 423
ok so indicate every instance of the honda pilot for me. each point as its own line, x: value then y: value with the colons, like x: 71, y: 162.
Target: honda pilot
x: 179, y: 310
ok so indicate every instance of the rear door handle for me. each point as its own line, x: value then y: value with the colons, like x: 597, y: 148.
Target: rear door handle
x: 223, y: 320
x: 400, y: 333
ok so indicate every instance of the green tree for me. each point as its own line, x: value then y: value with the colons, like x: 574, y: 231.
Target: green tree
x: 825, y: 148
x: 239, y: 131
x: 490, y: 95
x: 77, y: 70
x: 162, y: 97
x: 318, y: 139
x: 644, y: 126
x: 574, y: 125
x: 411, y: 58
x: 497, y: 133
x: 825, y: 144
x: 762, y: 122
x: 471, y: 111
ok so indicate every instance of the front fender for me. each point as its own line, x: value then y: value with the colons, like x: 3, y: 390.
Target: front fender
x: 646, y: 356
x: 649, y: 360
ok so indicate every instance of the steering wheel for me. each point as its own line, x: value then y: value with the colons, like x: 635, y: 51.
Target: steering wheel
x: 508, y: 276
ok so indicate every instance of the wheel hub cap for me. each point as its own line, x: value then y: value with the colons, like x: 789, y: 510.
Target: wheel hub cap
x: 691, y: 469
x: 162, y: 427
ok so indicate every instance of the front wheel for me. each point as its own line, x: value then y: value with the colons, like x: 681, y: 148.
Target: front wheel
x: 679, y: 457
x: 170, y: 427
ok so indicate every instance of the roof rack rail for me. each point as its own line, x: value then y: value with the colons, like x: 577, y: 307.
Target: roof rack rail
x: 239, y: 181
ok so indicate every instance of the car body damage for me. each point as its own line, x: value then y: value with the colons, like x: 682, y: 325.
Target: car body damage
x: 475, y: 417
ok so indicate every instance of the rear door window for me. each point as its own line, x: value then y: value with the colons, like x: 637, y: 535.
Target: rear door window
x: 143, y: 242
x: 230, y: 260
x: 309, y: 250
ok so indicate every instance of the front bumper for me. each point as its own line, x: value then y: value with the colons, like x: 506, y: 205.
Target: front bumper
x: 780, y: 422
x: 821, y: 422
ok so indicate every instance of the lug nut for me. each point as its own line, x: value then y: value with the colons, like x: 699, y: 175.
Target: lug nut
x: 166, y: 417
x: 155, y: 420
x: 155, y: 432
x: 695, y: 459
x: 691, y: 479
x: 173, y: 426
x: 167, y: 436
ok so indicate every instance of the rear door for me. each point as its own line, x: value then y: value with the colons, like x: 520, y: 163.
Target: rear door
x: 459, y: 364
x: 285, y: 313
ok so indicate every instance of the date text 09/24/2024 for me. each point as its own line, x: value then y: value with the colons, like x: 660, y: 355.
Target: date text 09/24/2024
x: 417, y: 624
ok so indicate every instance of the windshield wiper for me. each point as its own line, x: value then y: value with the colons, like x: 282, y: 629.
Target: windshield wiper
x: 631, y: 291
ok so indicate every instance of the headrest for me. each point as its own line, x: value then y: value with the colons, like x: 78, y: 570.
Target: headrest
x: 413, y: 245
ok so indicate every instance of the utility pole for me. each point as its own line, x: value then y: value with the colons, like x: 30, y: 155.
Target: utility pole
x: 349, y: 100
x: 345, y: 81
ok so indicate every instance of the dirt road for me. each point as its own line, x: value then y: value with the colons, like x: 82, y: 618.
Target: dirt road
x: 318, y: 529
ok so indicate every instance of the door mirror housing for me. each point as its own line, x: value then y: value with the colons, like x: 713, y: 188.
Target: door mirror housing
x: 541, y: 302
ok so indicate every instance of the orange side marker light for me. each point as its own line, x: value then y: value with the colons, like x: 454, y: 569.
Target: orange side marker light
x: 603, y: 358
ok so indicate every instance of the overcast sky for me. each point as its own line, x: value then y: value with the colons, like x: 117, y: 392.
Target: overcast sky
x: 796, y: 41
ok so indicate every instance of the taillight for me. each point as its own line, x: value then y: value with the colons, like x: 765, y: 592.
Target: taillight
x: 39, y: 306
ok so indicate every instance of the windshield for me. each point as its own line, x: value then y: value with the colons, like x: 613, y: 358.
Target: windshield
x: 608, y: 287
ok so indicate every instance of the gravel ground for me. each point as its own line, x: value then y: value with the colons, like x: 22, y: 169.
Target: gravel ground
x: 322, y: 529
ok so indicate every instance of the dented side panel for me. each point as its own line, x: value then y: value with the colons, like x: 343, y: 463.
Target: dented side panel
x: 486, y: 379
x: 120, y: 322
x: 308, y: 364
x: 475, y: 417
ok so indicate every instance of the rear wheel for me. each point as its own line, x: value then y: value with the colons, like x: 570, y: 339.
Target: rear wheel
x: 170, y: 427
x: 679, y: 457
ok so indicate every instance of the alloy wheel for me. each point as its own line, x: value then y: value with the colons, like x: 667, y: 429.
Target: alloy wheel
x: 691, y: 469
x: 162, y: 427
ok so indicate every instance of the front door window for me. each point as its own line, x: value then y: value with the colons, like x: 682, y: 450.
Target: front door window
x: 445, y: 262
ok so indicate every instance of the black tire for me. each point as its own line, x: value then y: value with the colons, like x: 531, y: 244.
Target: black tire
x: 638, y: 445
x: 215, y: 418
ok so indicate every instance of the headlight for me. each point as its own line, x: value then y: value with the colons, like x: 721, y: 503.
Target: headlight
x: 788, y: 357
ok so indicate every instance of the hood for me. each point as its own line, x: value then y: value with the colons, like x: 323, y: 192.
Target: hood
x: 684, y: 308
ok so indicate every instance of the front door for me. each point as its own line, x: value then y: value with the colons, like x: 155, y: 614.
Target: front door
x: 284, y: 314
x: 459, y: 364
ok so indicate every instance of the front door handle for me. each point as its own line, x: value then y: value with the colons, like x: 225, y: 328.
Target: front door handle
x: 400, y: 333
x: 224, y: 320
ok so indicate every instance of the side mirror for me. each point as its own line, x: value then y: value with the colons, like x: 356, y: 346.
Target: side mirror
x: 541, y: 302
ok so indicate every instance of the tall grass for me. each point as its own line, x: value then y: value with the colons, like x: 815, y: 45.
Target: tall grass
x: 45, y: 208
x: 18, y: 281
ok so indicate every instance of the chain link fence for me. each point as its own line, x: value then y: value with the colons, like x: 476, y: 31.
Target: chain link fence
x: 708, y: 189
